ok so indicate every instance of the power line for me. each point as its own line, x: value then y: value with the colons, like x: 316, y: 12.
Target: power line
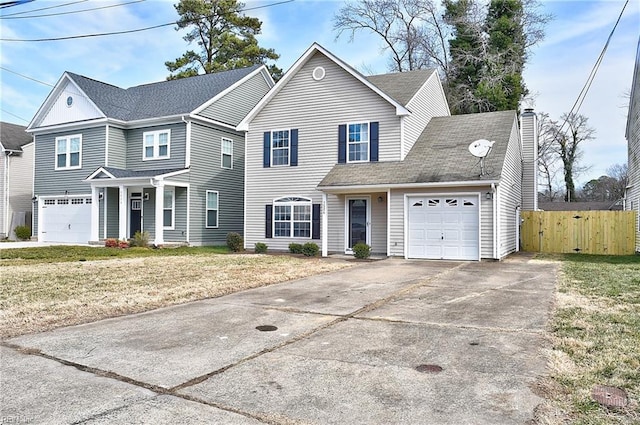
x: 13, y: 3
x: 25, y: 76
x: 14, y: 115
x: 71, y: 12
x: 73, y: 37
x: 45, y: 8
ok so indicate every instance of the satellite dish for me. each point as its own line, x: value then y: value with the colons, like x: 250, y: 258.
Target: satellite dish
x: 480, y: 148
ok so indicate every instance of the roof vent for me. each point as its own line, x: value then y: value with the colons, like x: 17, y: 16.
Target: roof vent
x: 318, y: 73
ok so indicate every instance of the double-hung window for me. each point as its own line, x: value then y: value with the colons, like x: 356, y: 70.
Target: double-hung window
x: 212, y: 209
x: 227, y: 153
x: 280, y: 147
x: 156, y: 144
x: 358, y: 142
x: 292, y: 217
x: 68, y: 152
x: 168, y: 208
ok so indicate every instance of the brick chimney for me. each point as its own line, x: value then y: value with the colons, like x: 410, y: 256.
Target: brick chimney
x: 529, y: 141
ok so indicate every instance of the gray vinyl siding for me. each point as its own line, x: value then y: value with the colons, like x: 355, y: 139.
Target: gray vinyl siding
x: 633, y: 143
x: 235, y: 105
x: 206, y: 173
x: 509, y: 195
x: 427, y: 103
x: 316, y: 109
x: 397, y: 219
x: 177, y: 148
x: 21, y: 181
x: 529, y: 159
x: 336, y: 223
x: 117, y: 148
x: 112, y: 197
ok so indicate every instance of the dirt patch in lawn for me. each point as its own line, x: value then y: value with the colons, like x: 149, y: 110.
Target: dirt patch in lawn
x: 38, y: 297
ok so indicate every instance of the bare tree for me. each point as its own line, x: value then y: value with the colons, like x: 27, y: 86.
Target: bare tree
x: 572, y: 134
x: 620, y: 173
x: 548, y: 161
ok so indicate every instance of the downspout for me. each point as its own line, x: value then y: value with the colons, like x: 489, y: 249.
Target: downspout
x: 5, y: 200
x: 495, y: 220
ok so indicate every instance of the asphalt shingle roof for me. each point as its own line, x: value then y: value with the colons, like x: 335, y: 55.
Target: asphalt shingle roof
x: 401, y: 86
x: 13, y: 136
x: 439, y: 155
x: 120, y: 173
x: 161, y: 99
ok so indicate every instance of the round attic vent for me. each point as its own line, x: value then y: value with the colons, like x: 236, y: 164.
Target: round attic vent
x: 318, y: 73
x: 69, y: 101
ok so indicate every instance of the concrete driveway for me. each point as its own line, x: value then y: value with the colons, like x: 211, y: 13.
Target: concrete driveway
x: 387, y: 342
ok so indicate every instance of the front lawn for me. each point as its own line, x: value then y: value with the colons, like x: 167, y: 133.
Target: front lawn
x: 39, y: 291
x: 596, y: 340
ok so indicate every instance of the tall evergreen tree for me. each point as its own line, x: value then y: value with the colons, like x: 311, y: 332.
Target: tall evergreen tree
x: 226, y: 39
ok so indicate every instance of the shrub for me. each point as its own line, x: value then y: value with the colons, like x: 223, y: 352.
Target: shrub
x: 361, y: 251
x: 310, y: 249
x: 140, y: 239
x: 123, y: 244
x: 261, y: 248
x: 295, y: 248
x: 235, y: 242
x: 111, y: 243
x: 23, y: 232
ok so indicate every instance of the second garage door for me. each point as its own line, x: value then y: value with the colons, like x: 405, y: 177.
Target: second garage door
x: 66, y: 220
x: 444, y: 227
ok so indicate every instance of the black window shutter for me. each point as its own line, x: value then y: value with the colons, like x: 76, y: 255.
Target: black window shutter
x: 266, y: 155
x: 315, y: 222
x: 293, y: 161
x: 342, y: 143
x: 268, y: 226
x: 373, y: 142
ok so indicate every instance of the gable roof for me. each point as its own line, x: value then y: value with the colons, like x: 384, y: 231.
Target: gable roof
x: 120, y: 173
x: 154, y: 100
x: 315, y: 47
x: 401, y: 86
x: 13, y: 136
x: 439, y: 155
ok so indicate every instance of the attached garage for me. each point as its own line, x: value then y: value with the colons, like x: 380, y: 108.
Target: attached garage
x: 65, y: 219
x: 444, y: 227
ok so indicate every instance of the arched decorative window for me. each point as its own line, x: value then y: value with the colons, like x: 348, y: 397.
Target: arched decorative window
x: 292, y: 217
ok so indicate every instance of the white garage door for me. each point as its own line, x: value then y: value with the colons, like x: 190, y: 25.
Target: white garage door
x: 444, y: 227
x: 66, y: 220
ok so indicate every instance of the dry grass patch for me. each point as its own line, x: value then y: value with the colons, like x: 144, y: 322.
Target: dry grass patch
x: 38, y: 297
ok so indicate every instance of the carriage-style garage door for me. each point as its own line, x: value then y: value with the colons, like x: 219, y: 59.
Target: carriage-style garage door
x: 66, y: 219
x: 444, y: 227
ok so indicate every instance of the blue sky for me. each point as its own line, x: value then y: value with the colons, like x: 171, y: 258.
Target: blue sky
x: 555, y: 74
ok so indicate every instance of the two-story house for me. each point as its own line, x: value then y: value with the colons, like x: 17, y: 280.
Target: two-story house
x: 632, y: 198
x: 163, y: 158
x: 16, y: 178
x: 338, y: 158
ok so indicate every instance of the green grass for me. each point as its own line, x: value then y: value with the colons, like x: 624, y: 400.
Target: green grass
x: 60, y: 253
x: 596, y: 333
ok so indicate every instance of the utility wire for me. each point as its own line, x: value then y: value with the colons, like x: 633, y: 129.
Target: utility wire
x: 25, y: 76
x: 71, y: 12
x: 45, y: 8
x: 13, y: 115
x: 13, y: 3
x: 73, y: 37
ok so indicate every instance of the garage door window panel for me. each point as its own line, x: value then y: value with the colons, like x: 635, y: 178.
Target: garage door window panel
x: 68, y: 152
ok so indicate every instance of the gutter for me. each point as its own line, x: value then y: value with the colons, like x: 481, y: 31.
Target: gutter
x: 385, y: 187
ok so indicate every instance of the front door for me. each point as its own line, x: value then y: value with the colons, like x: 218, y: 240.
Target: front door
x: 358, y: 222
x: 135, y: 217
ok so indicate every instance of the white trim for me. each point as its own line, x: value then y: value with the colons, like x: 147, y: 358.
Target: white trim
x: 324, y: 225
x: 494, y: 205
x: 106, y: 145
x: 68, y: 152
x: 244, y: 198
x: 222, y: 153
x: 402, y: 136
x: 204, y: 120
x: 315, y: 47
x: 478, y: 195
x: 104, y: 212
x: 187, y: 153
x: 156, y: 145
x: 388, y: 222
x: 207, y: 209
x: 188, y: 235
x: 282, y: 201
x: 368, y: 142
x: 172, y: 190
x: 288, y: 130
x: 347, y: 248
x: 384, y: 187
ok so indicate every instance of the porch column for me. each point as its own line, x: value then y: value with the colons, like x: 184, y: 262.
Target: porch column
x: 95, y: 214
x: 122, y: 212
x: 159, y: 233
x: 324, y: 225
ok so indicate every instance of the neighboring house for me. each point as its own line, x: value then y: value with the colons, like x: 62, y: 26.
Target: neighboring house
x: 336, y: 158
x: 163, y: 158
x: 581, y: 206
x: 16, y: 178
x: 632, y: 199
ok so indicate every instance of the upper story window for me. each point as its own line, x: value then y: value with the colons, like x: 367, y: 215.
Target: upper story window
x: 227, y: 153
x: 156, y: 144
x: 68, y: 152
x: 358, y: 142
x: 280, y: 147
